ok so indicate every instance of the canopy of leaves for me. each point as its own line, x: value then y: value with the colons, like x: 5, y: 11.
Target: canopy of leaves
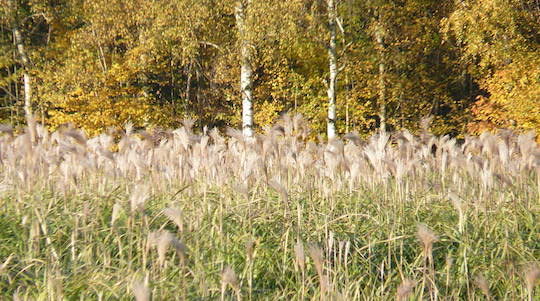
x: 472, y: 64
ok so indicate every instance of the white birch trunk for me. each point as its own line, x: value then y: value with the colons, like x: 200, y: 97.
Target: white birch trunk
x: 27, y: 79
x: 332, y: 58
x: 382, y: 84
x: 246, y: 72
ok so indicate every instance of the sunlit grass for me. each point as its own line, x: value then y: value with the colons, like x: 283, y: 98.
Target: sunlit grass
x: 209, y: 218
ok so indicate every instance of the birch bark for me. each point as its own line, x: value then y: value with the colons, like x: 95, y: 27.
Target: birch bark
x: 27, y: 79
x: 246, y: 72
x: 382, y: 84
x: 332, y: 58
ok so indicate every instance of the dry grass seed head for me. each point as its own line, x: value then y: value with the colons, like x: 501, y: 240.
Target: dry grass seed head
x: 6, y: 129
x: 181, y: 250
x: 405, y: 289
x: 140, y: 290
x: 188, y: 124
x: 228, y: 277
x: 316, y: 254
x: 250, y: 248
x: 151, y: 239
x: 116, y: 211
x: 532, y: 274
x: 427, y: 237
x: 77, y: 135
x: 281, y: 190
x: 164, y: 241
x: 138, y: 197
x: 481, y: 283
x: 457, y: 202
x: 242, y: 188
x: 300, y: 255
x: 175, y: 215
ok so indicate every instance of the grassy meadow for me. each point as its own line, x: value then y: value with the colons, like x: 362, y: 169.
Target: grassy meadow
x: 179, y: 215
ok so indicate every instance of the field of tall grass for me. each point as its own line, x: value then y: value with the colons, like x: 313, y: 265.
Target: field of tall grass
x: 184, y: 215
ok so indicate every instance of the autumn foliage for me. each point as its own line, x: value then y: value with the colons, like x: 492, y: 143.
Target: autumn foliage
x: 474, y: 65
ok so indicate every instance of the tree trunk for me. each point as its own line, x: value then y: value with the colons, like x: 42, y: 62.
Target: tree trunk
x: 382, y: 84
x: 332, y: 58
x: 27, y: 79
x: 246, y: 72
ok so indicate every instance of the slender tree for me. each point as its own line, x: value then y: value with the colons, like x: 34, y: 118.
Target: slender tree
x: 26, y: 64
x: 246, y: 72
x: 333, y: 70
x: 379, y: 38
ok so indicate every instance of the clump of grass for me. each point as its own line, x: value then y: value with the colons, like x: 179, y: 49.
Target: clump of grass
x: 78, y: 214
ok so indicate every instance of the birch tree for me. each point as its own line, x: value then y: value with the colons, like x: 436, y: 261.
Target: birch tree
x: 26, y: 64
x: 379, y: 38
x: 333, y: 68
x: 246, y: 72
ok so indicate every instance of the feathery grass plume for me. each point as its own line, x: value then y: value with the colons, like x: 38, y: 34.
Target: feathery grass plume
x: 532, y: 274
x: 116, y: 211
x: 235, y: 133
x: 427, y: 239
x: 504, y: 152
x: 405, y: 289
x: 284, y: 196
x: 181, y: 250
x: 301, y: 126
x: 216, y: 137
x: 526, y: 144
x: 140, y: 290
x: 183, y: 137
x: 228, y: 277
x: 6, y: 129
x: 276, y: 130
x: 151, y: 241
x: 449, y: 264
x: 317, y: 255
x: 425, y: 123
x: 175, y: 215
x: 128, y: 128
x: 354, y: 137
x: 162, y: 240
x: 165, y: 239
x: 242, y: 188
x: 55, y: 289
x: 250, y: 248
x: 483, y: 285
x: 300, y: 255
x: 458, y: 204
x: 138, y: 197
x: 77, y: 136
x: 188, y: 124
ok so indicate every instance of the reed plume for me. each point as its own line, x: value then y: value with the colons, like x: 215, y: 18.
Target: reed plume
x: 405, y: 289
x: 140, y: 290
x: 228, y: 278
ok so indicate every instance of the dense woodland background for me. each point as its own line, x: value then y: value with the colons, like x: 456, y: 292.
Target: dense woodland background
x: 473, y: 64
